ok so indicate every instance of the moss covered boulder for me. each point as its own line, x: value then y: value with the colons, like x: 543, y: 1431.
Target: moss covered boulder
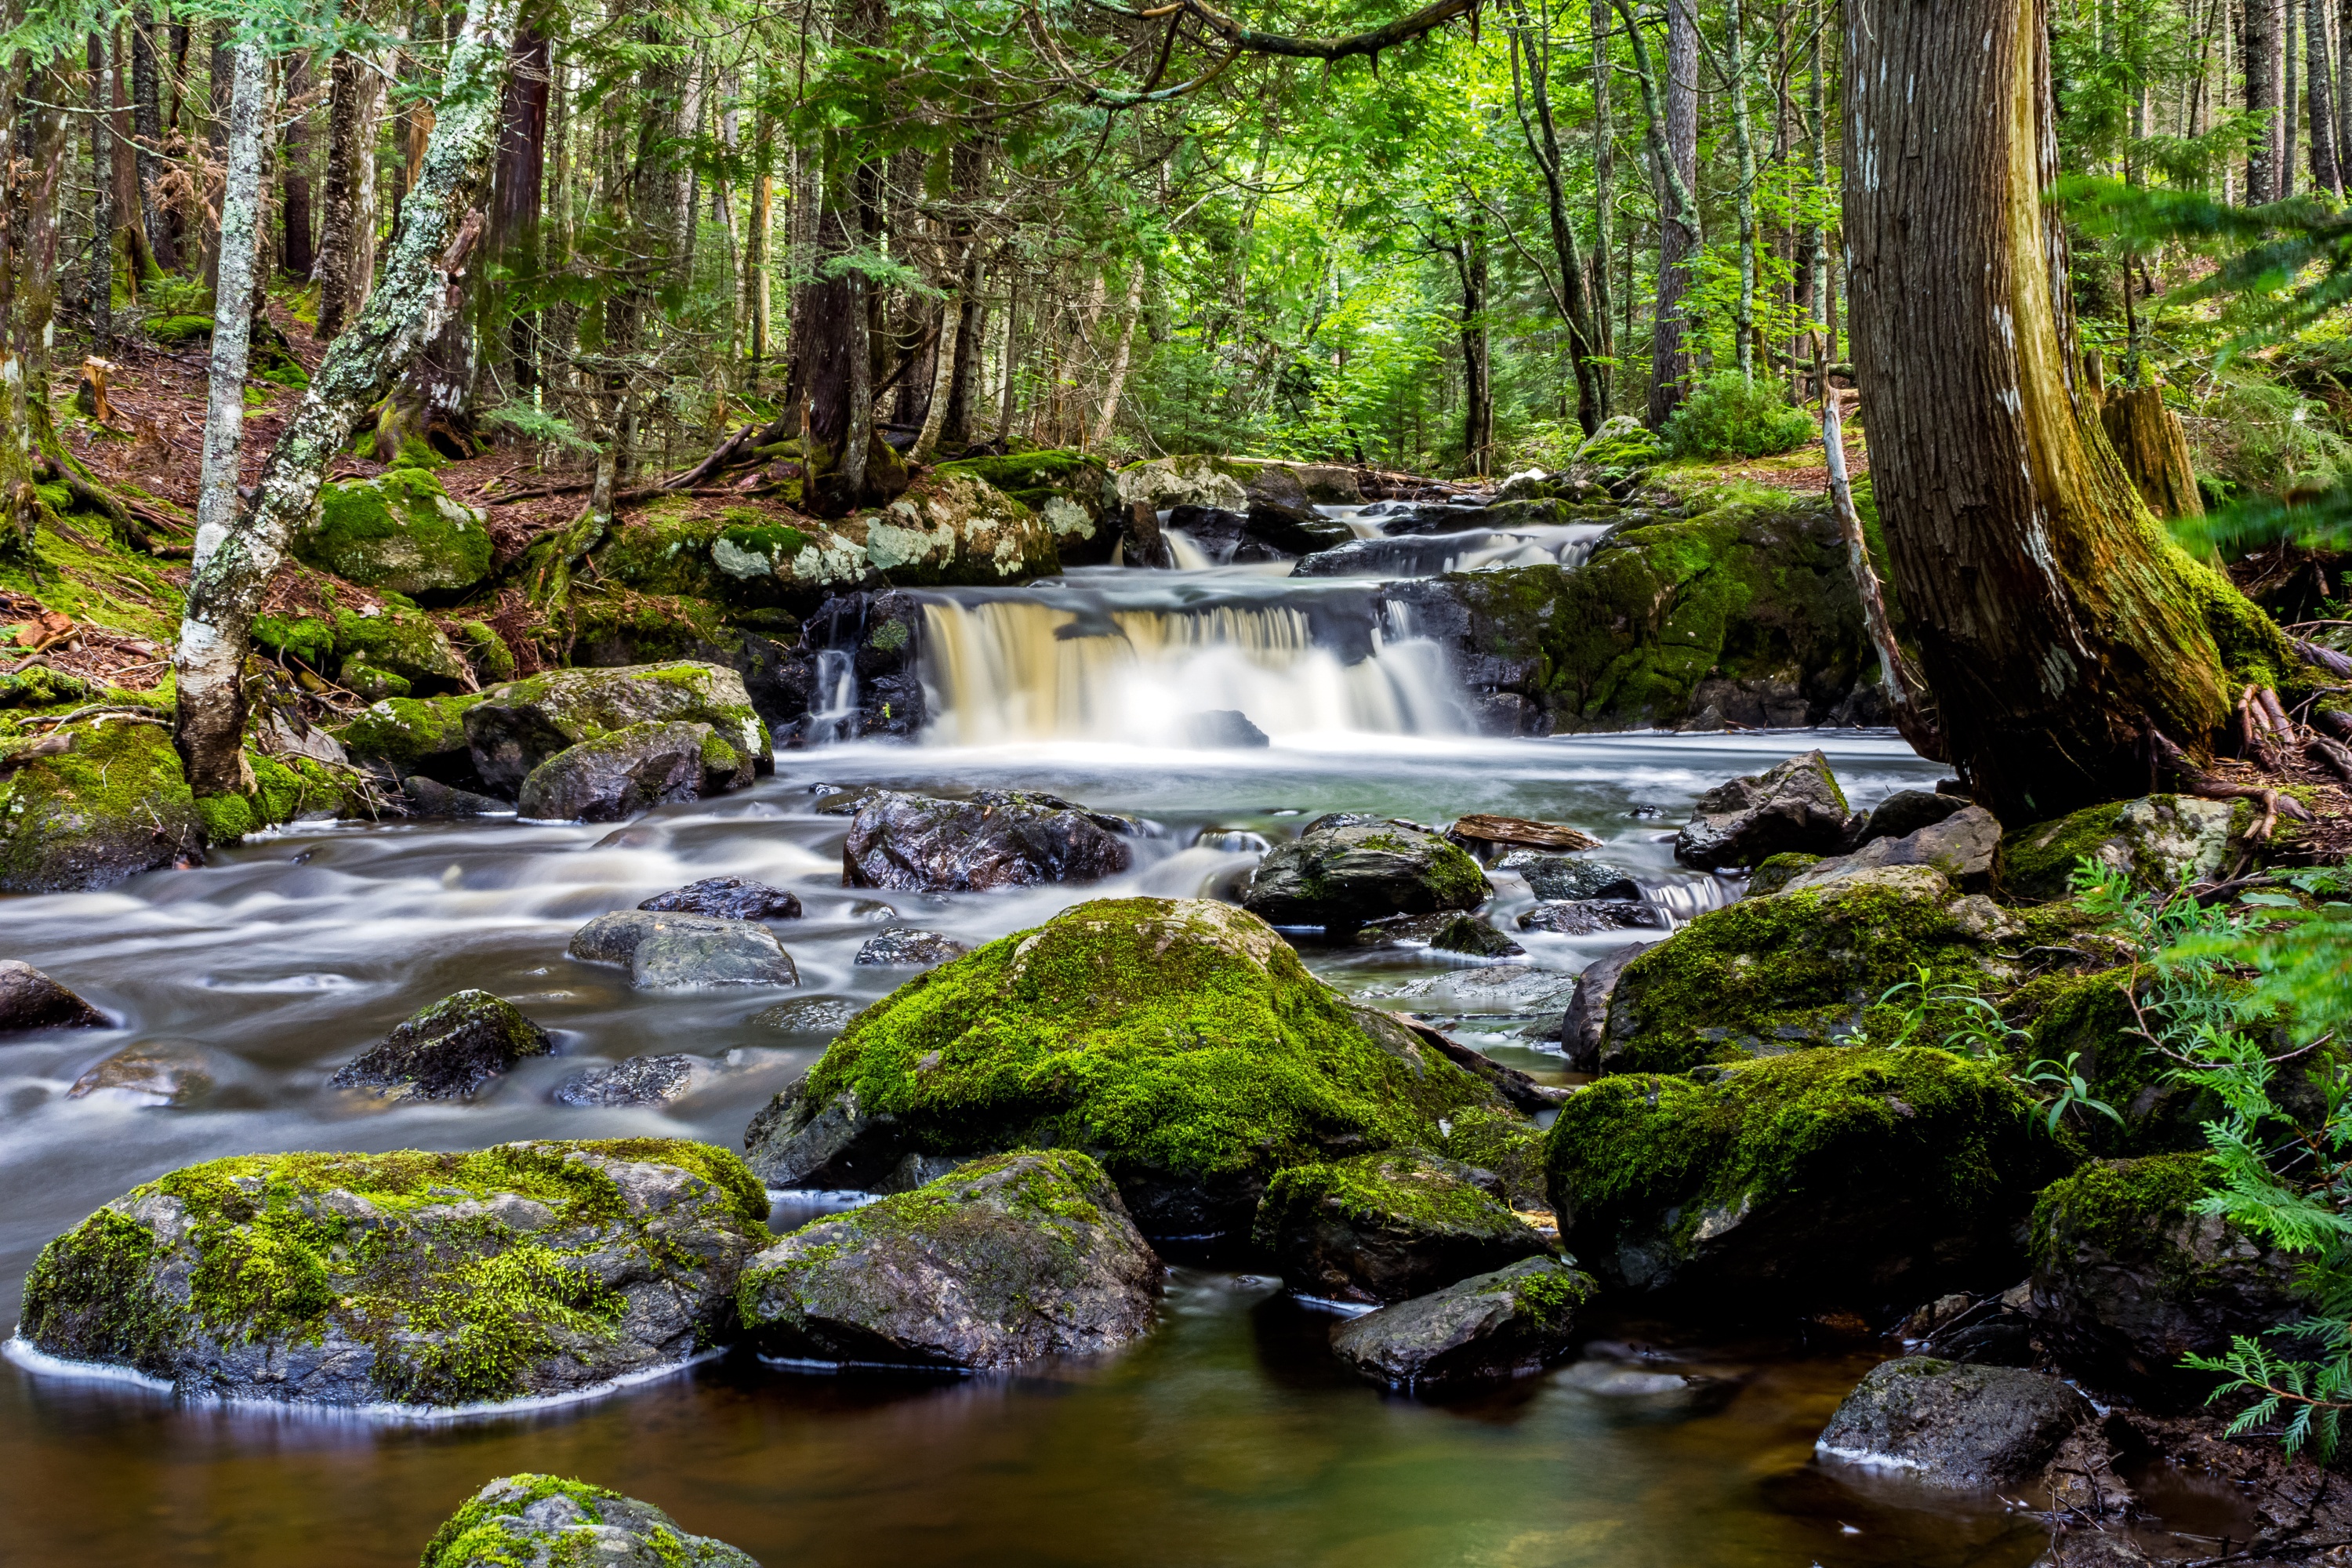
x: 399, y: 530
x: 1851, y: 1177
x: 948, y: 529
x: 1381, y: 1228
x: 412, y: 1279
x: 1068, y: 491
x: 2132, y: 1277
x: 98, y: 801
x: 413, y: 735
x: 519, y: 725
x: 1180, y: 1042
x: 2156, y: 840
x: 448, y: 1050
x: 1490, y: 1327
x: 1346, y: 870
x: 548, y: 1522
x: 615, y: 777
x: 1000, y: 1261
x: 1502, y: 1142
x: 393, y: 649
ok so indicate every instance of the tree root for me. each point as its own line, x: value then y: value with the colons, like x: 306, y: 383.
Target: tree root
x: 2326, y: 659
x: 2196, y: 781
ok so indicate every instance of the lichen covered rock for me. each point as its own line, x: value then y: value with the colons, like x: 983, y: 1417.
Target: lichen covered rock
x: 2156, y: 840
x: 1959, y: 1428
x: 112, y: 804
x: 1794, y: 806
x: 1493, y: 1326
x: 1000, y: 1261
x: 398, y: 531
x: 519, y: 725
x: 548, y: 1521
x: 448, y: 1050
x: 1065, y: 489
x: 1346, y: 870
x: 950, y: 529
x: 1178, y: 1041
x: 408, y: 1278
x: 1845, y: 1176
x: 998, y: 838
x: 1960, y: 846
x: 1381, y: 1228
x: 613, y: 777
x: 393, y: 649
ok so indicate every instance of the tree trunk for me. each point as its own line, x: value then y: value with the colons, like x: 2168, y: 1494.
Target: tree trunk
x: 1542, y: 137
x: 240, y: 220
x: 943, y: 366
x: 758, y: 298
x: 2320, y: 98
x: 512, y: 242
x: 2058, y: 626
x: 963, y: 378
x: 147, y: 111
x: 100, y: 312
x: 1605, y: 155
x: 2265, y: 94
x: 1743, y: 138
x: 34, y: 136
x: 2154, y: 451
x: 1670, y: 112
x: 297, y: 254
x: 1120, y: 359
x: 133, y: 227
x: 1007, y: 394
x: 347, y: 241
x: 234, y: 564
x: 1470, y: 264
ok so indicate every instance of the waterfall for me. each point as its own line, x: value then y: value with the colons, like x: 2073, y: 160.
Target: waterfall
x: 1002, y: 671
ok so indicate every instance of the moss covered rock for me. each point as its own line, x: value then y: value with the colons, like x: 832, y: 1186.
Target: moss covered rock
x: 1852, y: 1177
x: 393, y: 649
x: 615, y: 777
x: 1178, y: 1041
x: 112, y: 804
x: 449, y: 1049
x: 399, y: 530
x: 1068, y: 491
x: 2091, y: 1017
x: 409, y: 1278
x: 548, y: 1522
x: 519, y: 725
x: 1494, y: 1326
x: 948, y: 529
x: 1381, y: 1228
x: 1503, y: 1142
x: 1792, y: 807
x: 2156, y: 840
x: 413, y: 734
x: 1345, y: 870
x: 1946, y: 1425
x: 1000, y: 1261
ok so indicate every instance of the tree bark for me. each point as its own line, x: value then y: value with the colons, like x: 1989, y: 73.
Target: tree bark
x: 125, y: 149
x: 1743, y: 139
x: 2060, y: 629
x: 298, y: 256
x: 1470, y: 263
x: 240, y: 222
x: 1670, y: 114
x: 516, y: 181
x: 943, y: 363
x: 1542, y: 137
x: 1120, y: 359
x: 101, y: 312
x: 2154, y: 451
x: 147, y: 110
x: 1604, y: 157
x: 34, y: 136
x: 759, y: 299
x: 347, y: 239
x: 2265, y: 93
x: 234, y: 563
x: 2321, y: 99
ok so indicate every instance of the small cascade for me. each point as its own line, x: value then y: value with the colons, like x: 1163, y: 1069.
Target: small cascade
x: 998, y: 670
x: 1684, y: 899
x: 833, y: 706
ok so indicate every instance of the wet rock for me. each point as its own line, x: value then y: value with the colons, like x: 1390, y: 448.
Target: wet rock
x: 31, y: 1000
x: 1224, y: 537
x: 1774, y: 874
x: 1345, y: 870
x: 1436, y: 518
x: 1495, y: 1326
x: 905, y: 945
x: 398, y: 532
x: 519, y: 726
x: 1225, y: 728
x: 1796, y: 806
x: 999, y: 838
x: 1964, y: 1428
x: 1509, y: 989
x: 1584, y: 917
x: 1585, y: 1027
x: 1823, y: 1179
x: 635, y: 1080
x: 1452, y: 931
x: 94, y: 803
x: 1000, y: 1261
x: 1568, y: 876
x: 2131, y: 1278
x: 1269, y: 1068
x: 148, y: 1075
x: 430, y: 797
x: 1992, y: 1330
x: 631, y: 770
x: 808, y: 1016
x: 1381, y: 1228
x: 580, y: 1262
x: 1960, y: 846
x: 541, y: 1521
x: 614, y: 938
x: 1489, y: 835
x: 2155, y: 841
x: 448, y: 1050
x: 1906, y: 811
x: 728, y: 899
x: 703, y: 956
x: 1295, y: 530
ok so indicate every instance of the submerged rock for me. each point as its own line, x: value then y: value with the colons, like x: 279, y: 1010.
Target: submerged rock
x: 409, y: 1278
x: 999, y: 838
x: 31, y: 1000
x: 634, y: 1080
x: 2155, y: 841
x: 1453, y: 931
x: 448, y: 1050
x: 1954, y: 1426
x: 808, y: 1016
x: 728, y: 899
x: 907, y: 946
x: 1585, y: 917
x: 631, y: 770
x: 149, y: 1075
x: 1343, y: 871
x: 1795, y: 805
x: 1833, y: 1178
x: 1178, y: 1041
x: 1500, y: 1325
x: 518, y: 726
x: 1380, y: 1227
x: 548, y: 1521
x: 1008, y: 1258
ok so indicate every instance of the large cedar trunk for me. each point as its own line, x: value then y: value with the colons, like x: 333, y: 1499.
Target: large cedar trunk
x: 516, y: 186
x: 2057, y: 624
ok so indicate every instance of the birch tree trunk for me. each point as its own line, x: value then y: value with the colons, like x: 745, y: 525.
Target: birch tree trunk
x: 1120, y: 360
x: 441, y: 221
x: 240, y: 219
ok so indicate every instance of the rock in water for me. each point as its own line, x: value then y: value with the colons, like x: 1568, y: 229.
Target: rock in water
x: 1344, y: 871
x: 408, y: 1278
x: 448, y: 1050
x: 31, y: 1000
x: 1223, y: 729
x: 728, y: 899
x: 614, y: 938
x: 1380, y: 1227
x: 999, y: 838
x: 904, y: 946
x: 1796, y: 806
x: 637, y: 1080
x: 1180, y: 1042
x: 1568, y: 876
x: 634, y: 769
x: 725, y: 952
x: 430, y: 797
x: 518, y: 726
x: 149, y: 1075
x: 1003, y: 1260
x: 546, y: 1522
x: 1826, y: 1178
x: 1586, y: 1024
x: 1952, y: 1425
x: 1959, y: 846
x: 1585, y: 917
x: 109, y: 803
x: 1495, y: 1326
x: 1453, y: 931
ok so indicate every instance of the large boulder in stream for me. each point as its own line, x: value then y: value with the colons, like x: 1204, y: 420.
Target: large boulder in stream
x: 448, y: 1050
x: 1180, y: 1042
x: 1793, y: 808
x: 410, y: 1278
x: 1000, y: 1261
x: 1493, y: 1326
x: 1954, y: 1426
x: 998, y: 838
x: 615, y: 777
x: 548, y: 1522
x: 1380, y: 1227
x: 1347, y: 871
x: 31, y: 1000
x: 664, y: 951
x: 1845, y: 1177
x: 93, y: 803
x: 519, y: 726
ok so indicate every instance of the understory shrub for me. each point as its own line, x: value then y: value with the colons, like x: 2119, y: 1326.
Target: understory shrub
x: 1727, y: 417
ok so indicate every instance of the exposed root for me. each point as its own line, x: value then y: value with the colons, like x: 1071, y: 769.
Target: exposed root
x: 2271, y: 802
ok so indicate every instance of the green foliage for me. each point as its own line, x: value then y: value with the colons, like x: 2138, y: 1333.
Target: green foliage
x: 1724, y: 416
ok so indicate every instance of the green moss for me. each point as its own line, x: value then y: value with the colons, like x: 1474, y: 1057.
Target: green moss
x: 777, y: 542
x: 1552, y: 1299
x: 1776, y: 872
x: 417, y: 452
x: 1033, y: 479
x: 399, y: 530
x: 171, y: 329
x: 2120, y: 1207
x: 624, y: 627
x: 1397, y: 1187
x: 486, y: 1530
x: 1500, y: 1141
x: 113, y: 804
x: 1170, y: 1036
x: 400, y: 641
x: 2038, y: 862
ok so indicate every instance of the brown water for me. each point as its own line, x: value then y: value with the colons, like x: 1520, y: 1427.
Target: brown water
x: 1228, y: 1437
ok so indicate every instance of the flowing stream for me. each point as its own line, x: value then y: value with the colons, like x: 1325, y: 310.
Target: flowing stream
x: 1229, y: 1437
